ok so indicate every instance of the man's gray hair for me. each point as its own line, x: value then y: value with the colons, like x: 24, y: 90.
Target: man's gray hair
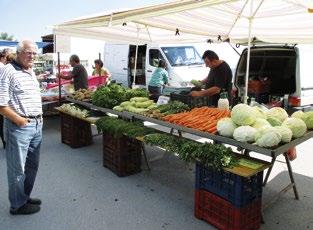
x: 21, y: 45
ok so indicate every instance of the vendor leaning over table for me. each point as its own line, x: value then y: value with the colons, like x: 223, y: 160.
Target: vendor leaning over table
x: 219, y: 78
x: 79, y: 74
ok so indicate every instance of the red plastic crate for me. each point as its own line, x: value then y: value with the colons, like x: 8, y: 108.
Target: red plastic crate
x: 223, y: 215
x: 238, y: 190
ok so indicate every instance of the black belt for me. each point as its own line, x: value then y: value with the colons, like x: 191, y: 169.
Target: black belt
x: 33, y: 117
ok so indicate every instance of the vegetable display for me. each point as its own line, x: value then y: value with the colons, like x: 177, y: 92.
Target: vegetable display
x: 245, y: 133
x: 213, y: 155
x: 173, y: 107
x: 268, y: 137
x: 226, y: 127
x: 136, y: 105
x: 285, y: 132
x: 243, y: 114
x: 118, y: 127
x: 113, y: 94
x: 160, y: 111
x: 82, y: 95
x: 74, y: 110
x: 267, y: 127
x: 204, y: 118
x: 297, y: 126
x: 276, y: 116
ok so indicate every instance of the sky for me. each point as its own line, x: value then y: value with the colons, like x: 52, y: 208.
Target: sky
x: 33, y: 18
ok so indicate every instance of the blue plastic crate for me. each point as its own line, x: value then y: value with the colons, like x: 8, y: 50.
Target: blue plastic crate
x: 238, y: 190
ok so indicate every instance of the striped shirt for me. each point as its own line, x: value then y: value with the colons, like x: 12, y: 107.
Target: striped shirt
x: 20, y: 90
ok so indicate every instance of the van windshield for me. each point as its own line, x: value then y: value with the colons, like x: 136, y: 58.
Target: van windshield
x: 182, y: 56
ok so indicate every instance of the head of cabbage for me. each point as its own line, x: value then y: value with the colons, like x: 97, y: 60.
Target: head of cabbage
x: 296, y: 125
x: 285, y: 132
x: 259, y: 113
x: 268, y: 137
x: 298, y: 114
x: 244, y: 134
x: 226, y: 127
x: 260, y: 123
x: 308, y: 119
x: 276, y: 116
x: 243, y: 114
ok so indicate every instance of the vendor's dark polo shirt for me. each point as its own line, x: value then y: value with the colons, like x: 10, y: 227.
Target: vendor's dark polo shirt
x: 220, y: 76
x: 80, y: 77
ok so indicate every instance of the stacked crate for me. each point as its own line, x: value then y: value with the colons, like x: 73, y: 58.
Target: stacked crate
x: 122, y: 155
x: 74, y: 131
x: 192, y: 102
x: 228, y: 201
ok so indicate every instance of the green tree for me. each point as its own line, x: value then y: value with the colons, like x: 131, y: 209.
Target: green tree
x: 6, y: 36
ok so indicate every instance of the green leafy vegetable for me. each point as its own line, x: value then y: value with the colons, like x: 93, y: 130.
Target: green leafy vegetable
x: 213, y: 155
x: 173, y: 107
x: 118, y: 127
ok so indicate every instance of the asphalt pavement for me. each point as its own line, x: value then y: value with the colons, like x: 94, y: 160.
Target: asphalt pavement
x: 79, y: 193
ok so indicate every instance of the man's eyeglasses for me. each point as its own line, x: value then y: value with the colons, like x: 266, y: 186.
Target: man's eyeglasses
x: 29, y: 53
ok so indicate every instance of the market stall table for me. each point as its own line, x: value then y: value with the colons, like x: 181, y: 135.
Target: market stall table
x: 246, y: 147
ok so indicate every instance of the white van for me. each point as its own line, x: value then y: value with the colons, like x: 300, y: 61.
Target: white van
x: 278, y: 71
x: 183, y: 63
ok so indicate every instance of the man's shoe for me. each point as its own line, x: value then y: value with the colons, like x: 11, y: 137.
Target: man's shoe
x: 26, y: 209
x: 34, y: 201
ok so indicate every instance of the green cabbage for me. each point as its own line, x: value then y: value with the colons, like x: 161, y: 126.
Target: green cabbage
x: 276, y: 114
x: 244, y: 134
x: 299, y: 114
x: 297, y: 126
x: 243, y: 114
x: 260, y: 123
x: 259, y: 113
x: 268, y: 137
x: 285, y: 132
x: 308, y: 119
x: 274, y: 121
x: 226, y: 127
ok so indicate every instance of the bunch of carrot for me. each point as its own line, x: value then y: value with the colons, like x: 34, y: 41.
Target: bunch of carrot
x: 204, y: 118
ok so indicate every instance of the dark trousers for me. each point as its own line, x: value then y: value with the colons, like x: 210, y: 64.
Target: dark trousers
x: 155, y: 92
x: 1, y: 131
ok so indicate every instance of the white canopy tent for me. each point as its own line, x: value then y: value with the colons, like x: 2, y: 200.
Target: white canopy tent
x: 186, y: 21
x: 279, y: 21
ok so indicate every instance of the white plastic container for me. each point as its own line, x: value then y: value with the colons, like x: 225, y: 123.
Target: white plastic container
x: 223, y: 102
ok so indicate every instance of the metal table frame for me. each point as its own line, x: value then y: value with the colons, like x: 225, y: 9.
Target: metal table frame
x: 246, y: 147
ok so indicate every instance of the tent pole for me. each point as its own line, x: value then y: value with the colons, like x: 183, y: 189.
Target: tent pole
x: 59, y: 80
x: 248, y: 56
x: 136, y: 54
x: 135, y: 67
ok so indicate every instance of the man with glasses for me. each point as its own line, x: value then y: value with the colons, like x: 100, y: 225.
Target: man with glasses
x: 20, y: 104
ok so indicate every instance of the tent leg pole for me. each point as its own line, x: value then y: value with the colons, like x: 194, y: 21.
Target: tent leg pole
x: 295, y: 190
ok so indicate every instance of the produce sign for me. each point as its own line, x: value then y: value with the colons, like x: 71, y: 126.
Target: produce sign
x: 118, y: 127
x: 204, y: 118
x: 74, y: 110
x: 213, y: 155
x: 264, y: 127
x: 82, y: 95
x: 113, y: 95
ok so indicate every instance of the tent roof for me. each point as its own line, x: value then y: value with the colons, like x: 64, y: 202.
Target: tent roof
x: 279, y: 21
